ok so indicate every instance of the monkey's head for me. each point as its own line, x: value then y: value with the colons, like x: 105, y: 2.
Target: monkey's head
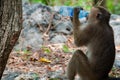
x: 99, y: 14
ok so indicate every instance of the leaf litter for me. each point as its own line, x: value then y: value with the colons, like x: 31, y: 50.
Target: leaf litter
x: 50, y: 58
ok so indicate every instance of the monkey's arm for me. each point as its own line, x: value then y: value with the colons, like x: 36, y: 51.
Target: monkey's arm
x: 81, y: 36
x: 76, y: 21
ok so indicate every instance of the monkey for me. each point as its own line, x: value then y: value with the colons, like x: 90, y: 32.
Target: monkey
x: 97, y: 35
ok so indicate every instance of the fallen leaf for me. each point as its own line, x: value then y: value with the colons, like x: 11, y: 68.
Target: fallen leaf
x: 35, y: 56
x: 44, y: 60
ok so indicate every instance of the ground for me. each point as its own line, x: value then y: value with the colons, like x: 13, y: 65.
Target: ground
x: 48, y: 62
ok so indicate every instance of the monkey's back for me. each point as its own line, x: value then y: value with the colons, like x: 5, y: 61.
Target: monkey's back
x: 102, y: 52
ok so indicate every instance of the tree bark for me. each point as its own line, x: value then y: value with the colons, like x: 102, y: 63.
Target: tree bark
x: 10, y: 28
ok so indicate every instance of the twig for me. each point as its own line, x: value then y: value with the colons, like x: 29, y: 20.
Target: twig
x: 99, y: 2
x: 49, y: 26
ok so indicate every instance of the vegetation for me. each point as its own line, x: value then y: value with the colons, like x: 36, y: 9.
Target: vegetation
x: 112, y: 5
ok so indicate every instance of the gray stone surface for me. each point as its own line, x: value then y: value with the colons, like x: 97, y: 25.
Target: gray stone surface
x: 115, y: 23
x: 58, y: 39
x: 36, y: 19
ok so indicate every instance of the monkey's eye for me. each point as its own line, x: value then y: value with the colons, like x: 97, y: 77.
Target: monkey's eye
x: 99, y: 16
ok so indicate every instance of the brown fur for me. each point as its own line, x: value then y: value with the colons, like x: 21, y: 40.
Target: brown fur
x: 97, y: 36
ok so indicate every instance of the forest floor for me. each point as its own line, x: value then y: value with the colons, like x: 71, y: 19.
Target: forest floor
x: 47, y: 62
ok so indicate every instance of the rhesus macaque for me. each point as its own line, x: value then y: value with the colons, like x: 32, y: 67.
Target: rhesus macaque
x: 97, y: 35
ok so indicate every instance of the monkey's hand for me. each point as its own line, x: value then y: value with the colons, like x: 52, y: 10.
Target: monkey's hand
x: 77, y: 10
x: 76, y: 22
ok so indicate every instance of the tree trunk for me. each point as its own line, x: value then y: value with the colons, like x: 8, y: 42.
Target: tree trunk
x: 10, y: 28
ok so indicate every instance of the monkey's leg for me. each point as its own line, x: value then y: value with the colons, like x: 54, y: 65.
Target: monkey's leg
x: 71, y: 69
x: 83, y: 67
x: 80, y: 64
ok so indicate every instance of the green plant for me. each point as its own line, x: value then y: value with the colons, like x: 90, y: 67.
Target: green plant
x: 112, y: 5
x: 65, y: 49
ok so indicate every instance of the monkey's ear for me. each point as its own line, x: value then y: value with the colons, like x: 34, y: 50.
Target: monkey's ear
x: 99, y: 16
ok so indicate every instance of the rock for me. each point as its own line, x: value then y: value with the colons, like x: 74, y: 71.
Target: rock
x: 10, y: 75
x: 27, y: 77
x: 25, y: 1
x: 117, y: 34
x: 115, y: 23
x: 57, y: 75
x: 37, y: 16
x: 41, y: 18
x: 32, y: 38
x: 64, y: 27
x: 58, y: 39
x: 117, y: 63
x: 117, y: 59
x: 30, y: 8
x: 19, y: 76
x: 114, y: 17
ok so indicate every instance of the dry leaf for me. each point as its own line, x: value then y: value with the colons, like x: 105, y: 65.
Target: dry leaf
x: 44, y: 60
x: 35, y: 56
